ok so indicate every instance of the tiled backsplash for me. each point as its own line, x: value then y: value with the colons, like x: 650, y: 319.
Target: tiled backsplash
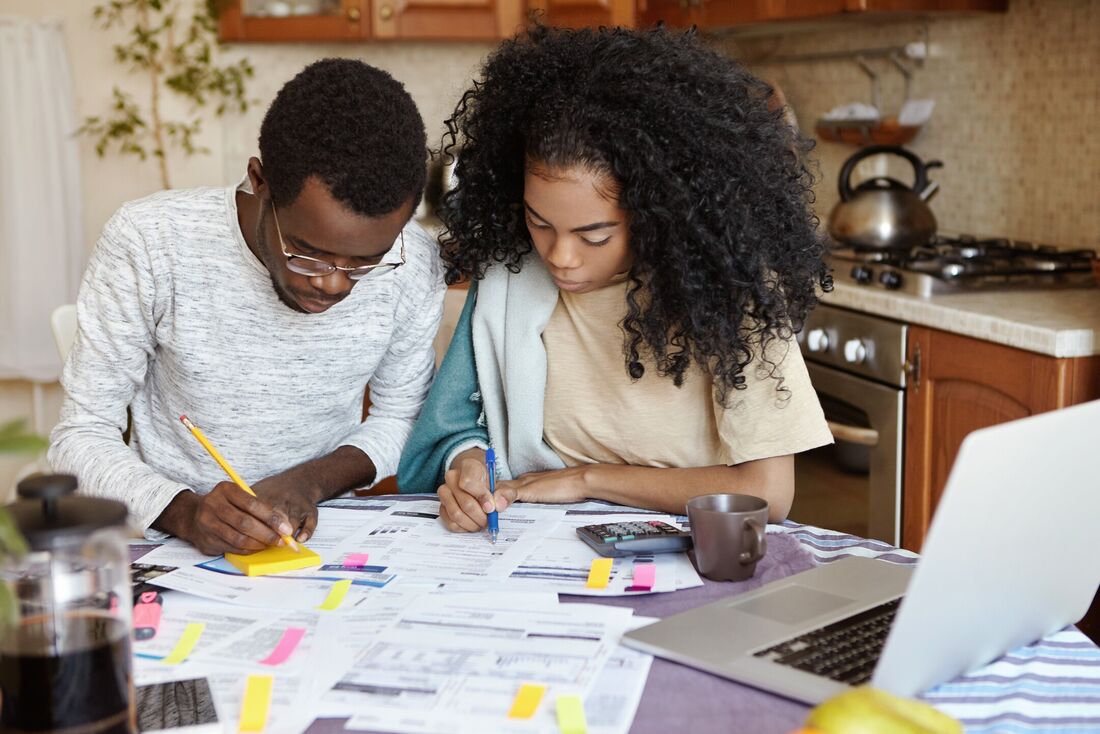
x: 1017, y: 109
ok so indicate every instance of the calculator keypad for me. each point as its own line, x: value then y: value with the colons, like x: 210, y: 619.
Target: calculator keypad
x: 615, y: 538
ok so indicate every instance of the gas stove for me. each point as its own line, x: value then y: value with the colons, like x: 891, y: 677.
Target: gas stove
x: 960, y: 263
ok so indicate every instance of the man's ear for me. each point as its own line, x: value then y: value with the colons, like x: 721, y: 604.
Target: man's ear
x: 256, y: 177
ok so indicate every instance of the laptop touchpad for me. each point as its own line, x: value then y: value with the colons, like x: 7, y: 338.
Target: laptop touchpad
x: 792, y: 604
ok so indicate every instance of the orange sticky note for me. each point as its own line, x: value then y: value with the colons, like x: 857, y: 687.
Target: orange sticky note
x: 257, y: 701
x: 527, y: 701
x: 276, y: 559
x: 599, y: 575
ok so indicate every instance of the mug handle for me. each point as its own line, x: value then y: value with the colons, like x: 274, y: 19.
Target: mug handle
x: 759, y: 543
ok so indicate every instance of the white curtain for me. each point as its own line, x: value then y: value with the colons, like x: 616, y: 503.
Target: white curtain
x: 41, y: 240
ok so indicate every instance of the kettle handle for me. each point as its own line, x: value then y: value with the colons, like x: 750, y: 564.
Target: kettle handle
x: 920, y: 169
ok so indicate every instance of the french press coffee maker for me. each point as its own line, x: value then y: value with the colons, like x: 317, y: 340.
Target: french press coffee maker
x: 65, y: 614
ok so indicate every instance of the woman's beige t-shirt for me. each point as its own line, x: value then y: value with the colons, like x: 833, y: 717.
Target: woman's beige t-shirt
x: 595, y: 413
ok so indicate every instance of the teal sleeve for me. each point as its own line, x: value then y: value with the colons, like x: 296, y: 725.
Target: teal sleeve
x: 451, y: 414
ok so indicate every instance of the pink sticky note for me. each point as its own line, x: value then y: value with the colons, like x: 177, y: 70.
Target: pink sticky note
x: 645, y: 575
x: 290, y: 639
x: 356, y: 560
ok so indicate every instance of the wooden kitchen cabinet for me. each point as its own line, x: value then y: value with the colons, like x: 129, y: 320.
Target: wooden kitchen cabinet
x: 346, y: 20
x: 586, y: 13
x: 364, y: 20
x: 961, y: 384
x: 712, y: 14
x: 445, y: 20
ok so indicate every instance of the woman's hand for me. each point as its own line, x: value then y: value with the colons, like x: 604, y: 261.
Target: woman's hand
x: 464, y: 497
x: 552, y: 487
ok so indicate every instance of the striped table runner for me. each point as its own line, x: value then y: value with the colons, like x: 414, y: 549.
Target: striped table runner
x: 1050, y: 686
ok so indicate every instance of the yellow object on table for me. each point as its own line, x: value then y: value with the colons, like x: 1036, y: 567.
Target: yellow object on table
x: 276, y: 559
x: 599, y: 574
x: 866, y: 710
x: 527, y: 701
x: 256, y: 702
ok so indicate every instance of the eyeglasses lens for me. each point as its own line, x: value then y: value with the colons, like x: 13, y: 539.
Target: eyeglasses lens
x: 308, y: 267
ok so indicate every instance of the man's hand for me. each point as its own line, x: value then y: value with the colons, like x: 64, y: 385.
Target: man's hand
x: 295, y: 494
x: 226, y: 520
x: 464, y: 496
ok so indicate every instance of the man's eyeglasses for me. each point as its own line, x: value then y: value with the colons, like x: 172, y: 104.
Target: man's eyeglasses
x: 314, y: 268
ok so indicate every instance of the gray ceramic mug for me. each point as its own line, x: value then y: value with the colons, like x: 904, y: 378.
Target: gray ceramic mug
x: 728, y: 532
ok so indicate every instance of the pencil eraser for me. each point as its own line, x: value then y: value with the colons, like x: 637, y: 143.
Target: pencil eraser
x: 276, y: 559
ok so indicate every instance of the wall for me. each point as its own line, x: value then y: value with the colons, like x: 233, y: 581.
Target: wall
x: 1017, y: 105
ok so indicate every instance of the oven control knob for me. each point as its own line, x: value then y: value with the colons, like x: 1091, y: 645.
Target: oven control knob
x: 855, y: 351
x: 817, y: 340
x: 890, y: 279
x: 862, y: 274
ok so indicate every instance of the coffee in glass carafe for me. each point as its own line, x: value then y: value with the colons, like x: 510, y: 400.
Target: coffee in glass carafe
x: 65, y: 662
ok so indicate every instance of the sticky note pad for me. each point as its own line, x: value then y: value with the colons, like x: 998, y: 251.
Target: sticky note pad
x: 257, y: 701
x: 290, y: 639
x: 599, y: 575
x: 527, y: 701
x: 276, y: 559
x: 356, y: 560
x: 645, y: 575
x: 336, y: 595
x: 190, y: 637
x: 571, y: 715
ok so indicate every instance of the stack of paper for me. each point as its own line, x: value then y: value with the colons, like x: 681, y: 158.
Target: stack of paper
x: 406, y: 627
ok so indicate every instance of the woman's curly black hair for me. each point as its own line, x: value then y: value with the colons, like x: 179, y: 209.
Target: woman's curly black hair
x: 727, y: 258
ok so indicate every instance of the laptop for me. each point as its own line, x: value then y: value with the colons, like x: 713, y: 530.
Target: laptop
x: 1013, y: 554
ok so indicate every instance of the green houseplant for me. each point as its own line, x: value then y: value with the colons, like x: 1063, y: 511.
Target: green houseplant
x: 172, y: 44
x: 14, y: 439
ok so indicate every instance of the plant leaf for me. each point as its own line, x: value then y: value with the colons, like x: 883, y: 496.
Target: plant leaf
x: 15, y: 439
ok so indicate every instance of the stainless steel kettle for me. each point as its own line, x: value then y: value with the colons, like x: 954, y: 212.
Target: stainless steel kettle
x: 882, y: 213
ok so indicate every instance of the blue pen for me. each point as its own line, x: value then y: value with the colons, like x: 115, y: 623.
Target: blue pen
x: 491, y: 466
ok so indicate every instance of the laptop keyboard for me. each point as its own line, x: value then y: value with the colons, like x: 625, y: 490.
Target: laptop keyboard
x: 845, y: 651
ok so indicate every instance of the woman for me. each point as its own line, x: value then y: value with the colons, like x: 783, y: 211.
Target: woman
x: 634, y: 220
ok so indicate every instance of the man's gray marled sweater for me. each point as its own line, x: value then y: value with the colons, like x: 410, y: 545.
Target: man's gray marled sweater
x: 176, y: 315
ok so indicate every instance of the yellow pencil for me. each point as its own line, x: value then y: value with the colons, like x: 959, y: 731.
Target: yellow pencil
x: 228, y: 469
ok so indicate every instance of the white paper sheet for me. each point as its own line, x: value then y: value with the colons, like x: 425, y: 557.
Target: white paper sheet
x: 411, y: 541
x: 562, y: 561
x: 272, y: 592
x: 453, y: 662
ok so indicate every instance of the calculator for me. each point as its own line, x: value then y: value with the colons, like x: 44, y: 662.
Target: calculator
x: 629, y: 538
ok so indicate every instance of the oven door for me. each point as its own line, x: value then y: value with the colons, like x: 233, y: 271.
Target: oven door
x: 853, y: 485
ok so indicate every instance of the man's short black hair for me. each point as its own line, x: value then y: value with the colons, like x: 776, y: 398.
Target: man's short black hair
x: 355, y: 128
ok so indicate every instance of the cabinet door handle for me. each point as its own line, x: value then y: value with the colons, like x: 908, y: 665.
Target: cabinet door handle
x: 354, y: 14
x: 385, y: 12
x: 912, y: 368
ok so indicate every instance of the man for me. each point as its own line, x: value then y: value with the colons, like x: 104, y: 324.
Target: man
x: 262, y: 311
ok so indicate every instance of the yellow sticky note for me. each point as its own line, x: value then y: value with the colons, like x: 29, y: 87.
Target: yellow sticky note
x: 599, y: 575
x: 336, y: 595
x: 276, y: 559
x: 257, y: 701
x: 527, y: 701
x: 190, y: 637
x: 571, y: 715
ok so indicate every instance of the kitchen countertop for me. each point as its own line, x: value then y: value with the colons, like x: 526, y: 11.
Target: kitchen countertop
x: 1058, y: 323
